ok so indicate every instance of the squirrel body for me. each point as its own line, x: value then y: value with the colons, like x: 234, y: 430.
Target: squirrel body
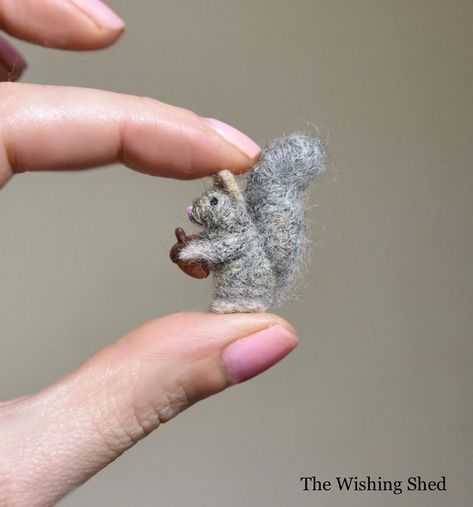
x: 254, y: 243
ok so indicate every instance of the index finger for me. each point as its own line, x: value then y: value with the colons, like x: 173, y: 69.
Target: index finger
x: 49, y: 127
x: 65, y: 24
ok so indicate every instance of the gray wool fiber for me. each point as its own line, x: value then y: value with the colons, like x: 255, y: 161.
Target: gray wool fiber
x: 255, y: 243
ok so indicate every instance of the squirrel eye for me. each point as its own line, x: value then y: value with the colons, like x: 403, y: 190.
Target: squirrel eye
x: 214, y: 201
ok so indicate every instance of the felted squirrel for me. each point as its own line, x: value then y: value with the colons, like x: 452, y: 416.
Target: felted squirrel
x: 254, y: 243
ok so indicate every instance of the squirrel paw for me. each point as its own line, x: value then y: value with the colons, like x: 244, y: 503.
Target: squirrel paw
x: 196, y: 269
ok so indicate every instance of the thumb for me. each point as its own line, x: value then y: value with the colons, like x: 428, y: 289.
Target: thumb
x: 57, y: 439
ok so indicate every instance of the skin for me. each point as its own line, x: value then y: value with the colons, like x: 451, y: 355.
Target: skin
x: 54, y: 440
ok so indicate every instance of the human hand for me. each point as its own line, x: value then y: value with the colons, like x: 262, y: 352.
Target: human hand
x: 54, y: 440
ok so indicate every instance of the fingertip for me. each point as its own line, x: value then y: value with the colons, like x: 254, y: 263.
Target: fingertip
x: 186, y: 146
x: 107, y: 26
x: 101, y: 14
x: 235, y: 137
x: 101, y: 38
x: 197, y: 328
x: 277, y: 320
x: 65, y: 24
x: 250, y: 356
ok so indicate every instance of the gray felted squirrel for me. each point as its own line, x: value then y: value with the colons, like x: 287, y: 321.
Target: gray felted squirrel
x: 253, y: 242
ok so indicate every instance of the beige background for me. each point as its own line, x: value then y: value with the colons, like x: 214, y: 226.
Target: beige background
x: 382, y: 381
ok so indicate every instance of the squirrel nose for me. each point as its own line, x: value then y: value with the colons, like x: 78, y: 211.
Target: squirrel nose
x: 189, y: 209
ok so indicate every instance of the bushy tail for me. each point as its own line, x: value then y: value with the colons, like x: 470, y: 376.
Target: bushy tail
x: 274, y: 193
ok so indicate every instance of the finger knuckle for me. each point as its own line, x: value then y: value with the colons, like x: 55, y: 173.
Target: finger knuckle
x: 171, y: 403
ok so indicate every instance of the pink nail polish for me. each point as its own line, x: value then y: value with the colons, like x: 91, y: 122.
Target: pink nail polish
x: 235, y: 137
x: 252, y: 355
x: 12, y: 64
x: 101, y: 13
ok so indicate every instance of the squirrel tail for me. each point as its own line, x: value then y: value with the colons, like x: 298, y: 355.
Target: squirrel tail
x: 274, y: 194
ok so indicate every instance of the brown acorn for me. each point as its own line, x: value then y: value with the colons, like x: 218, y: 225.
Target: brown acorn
x: 194, y: 269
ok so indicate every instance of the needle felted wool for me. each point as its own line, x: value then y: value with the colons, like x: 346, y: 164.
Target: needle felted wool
x: 254, y: 242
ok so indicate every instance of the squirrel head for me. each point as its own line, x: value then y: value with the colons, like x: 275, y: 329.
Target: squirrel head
x: 222, y: 207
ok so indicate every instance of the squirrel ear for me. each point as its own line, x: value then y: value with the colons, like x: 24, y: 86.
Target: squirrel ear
x: 225, y: 180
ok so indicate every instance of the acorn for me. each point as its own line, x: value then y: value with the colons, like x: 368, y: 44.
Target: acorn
x: 194, y: 269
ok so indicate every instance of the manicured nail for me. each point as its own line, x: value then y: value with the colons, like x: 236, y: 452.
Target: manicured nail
x: 12, y: 64
x: 252, y: 355
x: 101, y: 13
x: 189, y: 209
x: 235, y: 137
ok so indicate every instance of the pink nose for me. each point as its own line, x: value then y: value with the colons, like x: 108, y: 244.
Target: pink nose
x: 189, y: 209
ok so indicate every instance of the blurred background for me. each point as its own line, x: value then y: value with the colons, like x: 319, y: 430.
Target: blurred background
x: 382, y: 381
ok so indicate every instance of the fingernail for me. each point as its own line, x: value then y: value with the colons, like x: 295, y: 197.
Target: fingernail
x: 252, y: 355
x: 101, y: 13
x: 12, y: 64
x: 189, y: 209
x: 235, y: 137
